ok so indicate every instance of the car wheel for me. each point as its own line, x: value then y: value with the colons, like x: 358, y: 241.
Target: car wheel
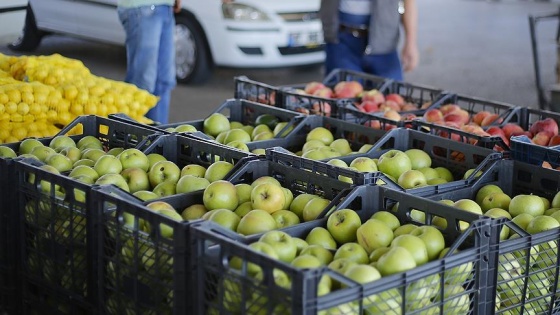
x: 191, y: 53
x: 31, y: 36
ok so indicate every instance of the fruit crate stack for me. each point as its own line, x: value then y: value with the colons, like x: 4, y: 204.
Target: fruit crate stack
x: 523, y: 252
x: 286, y: 271
x: 50, y: 217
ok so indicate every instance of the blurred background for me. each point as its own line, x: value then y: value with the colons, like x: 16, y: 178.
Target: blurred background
x: 472, y: 47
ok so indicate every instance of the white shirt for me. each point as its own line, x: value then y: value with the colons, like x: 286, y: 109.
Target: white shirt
x: 355, y: 7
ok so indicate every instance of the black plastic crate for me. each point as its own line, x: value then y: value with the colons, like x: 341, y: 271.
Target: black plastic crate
x: 356, y: 134
x: 220, y: 288
x: 455, y: 156
x: 255, y: 91
x: 420, y: 95
x: 139, y: 270
x: 521, y: 146
x: 514, y: 178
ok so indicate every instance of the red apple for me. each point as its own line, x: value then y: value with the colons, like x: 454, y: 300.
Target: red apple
x: 388, y: 105
x: 512, y: 129
x: 448, y: 108
x: 313, y: 86
x: 325, y: 92
x: 491, y: 119
x: 370, y: 106
x: 395, y: 98
x: 392, y: 114
x: 408, y: 107
x: 548, y: 124
x: 542, y: 138
x: 433, y: 115
x: 374, y: 96
x: 479, y: 117
x: 348, y: 89
x: 555, y: 140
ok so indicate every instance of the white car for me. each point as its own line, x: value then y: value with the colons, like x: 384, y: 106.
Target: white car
x: 240, y: 34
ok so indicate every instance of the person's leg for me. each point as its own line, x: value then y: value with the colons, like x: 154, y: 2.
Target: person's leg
x: 143, y: 31
x: 166, y: 79
x: 346, y: 54
x: 384, y: 65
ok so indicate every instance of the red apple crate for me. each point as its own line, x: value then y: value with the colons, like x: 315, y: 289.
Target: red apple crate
x: 419, y: 95
x: 356, y: 134
x: 523, y: 149
x: 456, y: 156
x: 53, y: 268
x: 139, y: 270
x: 221, y: 289
x: 515, y: 177
x: 255, y: 91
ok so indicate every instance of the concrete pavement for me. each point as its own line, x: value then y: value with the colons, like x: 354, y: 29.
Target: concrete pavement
x: 473, y: 47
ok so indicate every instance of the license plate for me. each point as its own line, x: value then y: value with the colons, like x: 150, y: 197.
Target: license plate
x: 310, y: 39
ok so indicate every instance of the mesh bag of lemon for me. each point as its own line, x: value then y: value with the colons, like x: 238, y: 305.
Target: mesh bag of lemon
x: 41, y: 94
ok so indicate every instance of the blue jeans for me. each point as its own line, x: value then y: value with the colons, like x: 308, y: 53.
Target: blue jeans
x: 348, y: 53
x: 150, y: 53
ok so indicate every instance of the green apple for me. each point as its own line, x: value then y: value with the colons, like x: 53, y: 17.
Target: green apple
x: 500, y: 213
x: 444, y: 173
x: 256, y: 221
x: 414, y: 245
x: 342, y: 146
x: 311, y: 145
x: 154, y: 158
x: 265, y: 135
x: 258, y: 129
x: 253, y: 268
x: 134, y: 158
x: 215, y: 123
x: 243, y: 208
x: 73, y: 153
x: 225, y: 218
x: 288, y: 198
x: 108, y: 164
x: 404, y: 229
x: 85, y: 162
x: 190, y: 183
x: 338, y: 162
x: 418, y: 158
x: 390, y: 219
x: 324, y: 255
x: 237, y: 135
x: 282, y: 243
x: 556, y: 201
x: 285, y: 218
x: 306, y: 262
x: 522, y: 220
x: 145, y: 195
x: 268, y: 196
x: 194, y: 170
x: 396, y: 260
x: 432, y: 238
x: 167, y: 188
x: 320, y: 236
x: 84, y: 170
x: 322, y: 134
x: 282, y: 129
x: 376, y: 254
x: 60, y: 162
x: 343, y: 224
x: 243, y: 192
x: 299, y: 202
x: 314, y: 154
x: 27, y: 145
x: 436, y: 181
x: 467, y: 205
x: 136, y: 178
x: 115, y: 151
x: 412, y: 179
x: 314, y: 207
x: 485, y: 191
x: 193, y: 212
x: 93, y: 154
x: 220, y: 194
x: 300, y: 244
x: 185, y: 128
x: 340, y: 265
x: 541, y: 223
x: 113, y: 179
x: 7, y: 152
x: 531, y: 204
x: 470, y: 172
x: 259, y: 151
x: 365, y: 148
x: 89, y: 142
x: 352, y: 251
x: 386, y: 303
x: 163, y: 171
x: 495, y: 200
x: 455, y: 299
x: 429, y: 174
x: 329, y: 152
x: 551, y: 211
x: 60, y: 142
x: 394, y: 163
x: 364, y: 164
x: 456, y: 275
x: 546, y: 203
x: 265, y: 179
x: 41, y: 152
x: 374, y: 234
x: 218, y: 170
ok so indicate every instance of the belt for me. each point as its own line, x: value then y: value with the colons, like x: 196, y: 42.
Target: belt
x: 355, y: 31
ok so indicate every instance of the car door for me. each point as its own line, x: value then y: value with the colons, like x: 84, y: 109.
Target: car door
x: 99, y: 20
x: 56, y: 15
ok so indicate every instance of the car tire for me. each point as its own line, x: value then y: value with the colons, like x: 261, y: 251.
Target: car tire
x: 192, y: 57
x: 31, y: 36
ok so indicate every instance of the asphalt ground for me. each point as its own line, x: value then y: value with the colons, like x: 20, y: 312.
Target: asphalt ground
x: 472, y: 47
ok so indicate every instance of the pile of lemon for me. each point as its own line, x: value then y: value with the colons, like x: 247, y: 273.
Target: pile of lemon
x: 39, y: 95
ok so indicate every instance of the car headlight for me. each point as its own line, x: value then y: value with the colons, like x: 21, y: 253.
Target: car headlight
x: 242, y: 12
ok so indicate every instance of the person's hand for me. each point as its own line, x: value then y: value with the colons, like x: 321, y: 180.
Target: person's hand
x: 409, y: 57
x: 177, y: 6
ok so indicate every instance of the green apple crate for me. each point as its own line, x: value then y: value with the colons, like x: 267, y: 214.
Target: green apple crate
x: 323, y: 266
x: 51, y: 219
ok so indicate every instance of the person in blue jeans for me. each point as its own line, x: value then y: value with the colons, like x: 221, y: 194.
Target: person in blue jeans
x: 363, y: 35
x: 150, y: 49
